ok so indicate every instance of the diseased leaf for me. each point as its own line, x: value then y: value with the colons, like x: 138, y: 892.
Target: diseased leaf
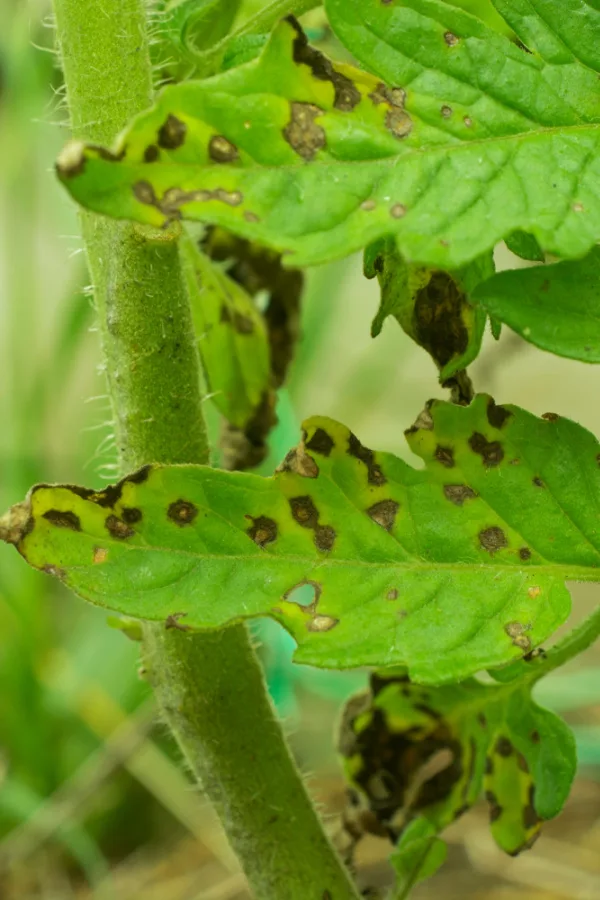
x: 417, y: 759
x: 232, y: 338
x: 431, y: 306
x: 472, y: 139
x: 447, y: 570
x: 555, y: 307
x: 524, y: 245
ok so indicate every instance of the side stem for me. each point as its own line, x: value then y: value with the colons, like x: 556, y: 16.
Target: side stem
x: 209, y: 686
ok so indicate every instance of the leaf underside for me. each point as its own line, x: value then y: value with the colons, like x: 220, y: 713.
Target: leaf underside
x: 458, y: 140
x: 447, y: 570
x: 420, y: 758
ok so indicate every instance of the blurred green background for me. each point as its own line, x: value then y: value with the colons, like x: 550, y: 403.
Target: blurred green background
x: 93, y: 801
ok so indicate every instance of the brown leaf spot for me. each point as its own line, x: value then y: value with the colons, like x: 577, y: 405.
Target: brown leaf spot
x: 451, y: 39
x: 374, y: 474
x: 324, y: 537
x: 489, y: 765
x: 393, y: 96
x: 172, y: 621
x: 525, y: 553
x: 100, y: 555
x: 131, y: 515
x: 384, y: 513
x: 458, y: 493
x: 63, y: 519
x: 304, y: 511
x: 399, y: 123
x: 397, y: 211
x: 302, y: 133
x: 439, y: 317
x: 491, y: 452
x: 578, y: 207
x: 522, y: 763
x: 550, y: 417
x: 171, y: 135
x: 182, y: 512
x: 492, y: 539
x: 240, y: 323
x: 221, y: 150
x: 117, y: 528
x: 368, y: 205
x: 346, y: 94
x: 446, y: 111
x: 151, y: 153
x: 495, y: 808
x: 503, y: 747
x: 534, y: 591
x: 468, y: 121
x: 530, y: 816
x: 535, y: 737
x: 55, y: 571
x: 497, y: 416
x: 513, y: 629
x: 322, y: 623
x: 299, y: 463
x: 263, y: 530
x: 144, y: 192
x: 445, y: 456
x: 392, y: 594
x: 538, y: 482
x: 522, y: 642
x: 321, y: 442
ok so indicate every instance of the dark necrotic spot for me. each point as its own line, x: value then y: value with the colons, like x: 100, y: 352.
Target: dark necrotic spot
x: 489, y: 765
x: 495, y: 808
x: 522, y: 763
x: 263, y: 530
x: 240, y: 323
x: 324, y: 537
x: 445, y: 456
x: 138, y: 477
x: 503, y: 747
x: 151, y: 153
x: 321, y: 442
x: 63, y: 519
x: 458, y: 493
x: 392, y: 594
x: 491, y: 452
x: 182, y: 512
x: 221, y: 150
x: 171, y: 135
x: 144, y: 192
x: 535, y: 737
x: 304, y: 512
x: 131, y: 515
x: 117, y: 528
x: 497, y: 415
x: 525, y: 553
x: 384, y: 513
x: 302, y: 132
x: 355, y: 448
x: 530, y: 816
x: 538, y: 482
x: 438, y: 319
x: 451, y: 39
x: 347, y: 95
x: 492, y: 539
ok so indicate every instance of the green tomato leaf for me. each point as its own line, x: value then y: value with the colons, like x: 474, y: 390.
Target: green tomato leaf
x: 448, y: 569
x: 420, y: 758
x: 431, y: 306
x: 555, y: 307
x: 418, y: 855
x: 524, y: 245
x: 471, y: 139
x: 198, y: 24
x: 232, y: 338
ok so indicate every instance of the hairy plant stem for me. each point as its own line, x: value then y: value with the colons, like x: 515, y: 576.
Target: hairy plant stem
x: 209, y: 686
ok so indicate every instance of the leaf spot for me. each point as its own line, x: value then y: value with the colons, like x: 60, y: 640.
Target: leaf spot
x: 538, y: 482
x: 100, y: 555
x: 451, y: 39
x: 182, y: 512
x: 384, y: 513
x: 523, y: 642
x: 310, y: 606
x: 503, y: 747
x: 522, y: 763
x: 468, y: 121
x: 347, y: 95
x: 299, y: 463
x: 241, y: 323
x: 251, y: 217
x: 304, y: 511
x: 397, y: 211
x: 321, y: 442
x: 525, y: 553
x: 392, y: 594
x: 513, y: 629
x: 489, y: 765
x: 55, y: 571
x: 302, y: 133
x: 535, y: 737
x: 374, y: 474
x: 368, y: 205
x: 172, y: 621
x: 221, y: 150
x: 131, y: 515
x: 171, y: 135
x: 491, y: 452
x: 151, y: 153
x: 445, y: 456
x: 550, y: 417
x: 534, y: 591
x: 458, y: 493
x: 63, y: 519
x: 497, y: 416
x: 578, y: 207
x: 324, y: 537
x: 446, y: 111
x: 495, y: 808
x: 263, y: 530
x: 117, y: 528
x: 322, y: 623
